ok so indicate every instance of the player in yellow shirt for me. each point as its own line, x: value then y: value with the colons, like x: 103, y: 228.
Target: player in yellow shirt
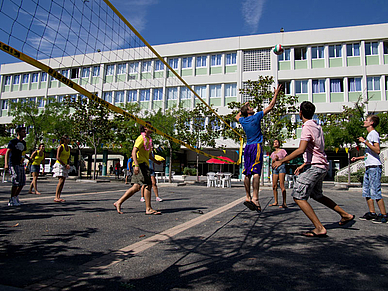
x: 141, y: 154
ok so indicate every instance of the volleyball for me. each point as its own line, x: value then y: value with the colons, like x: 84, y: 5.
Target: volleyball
x: 278, y: 49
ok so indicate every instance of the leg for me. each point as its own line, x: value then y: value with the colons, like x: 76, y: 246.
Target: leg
x: 381, y: 205
x: 135, y: 188
x: 247, y: 185
x: 275, y: 179
x: 155, y: 188
x: 309, y: 212
x: 371, y: 205
x: 255, y: 192
x: 282, y: 177
x: 334, y: 206
x: 35, y: 182
x: 61, y: 182
x: 147, y: 197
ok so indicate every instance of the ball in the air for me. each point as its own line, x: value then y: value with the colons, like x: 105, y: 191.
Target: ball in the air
x: 278, y: 49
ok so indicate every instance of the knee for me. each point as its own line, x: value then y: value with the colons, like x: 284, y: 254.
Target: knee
x: 275, y: 187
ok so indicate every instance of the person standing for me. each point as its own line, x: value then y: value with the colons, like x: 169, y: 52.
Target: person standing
x: 278, y: 174
x: 37, y: 158
x: 141, y: 153
x: 253, y: 152
x: 154, y: 184
x: 61, y: 167
x: 371, y: 187
x: 14, y: 161
x: 309, y: 183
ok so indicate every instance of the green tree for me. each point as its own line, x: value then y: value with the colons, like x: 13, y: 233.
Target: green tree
x: 91, y: 125
x: 198, y: 127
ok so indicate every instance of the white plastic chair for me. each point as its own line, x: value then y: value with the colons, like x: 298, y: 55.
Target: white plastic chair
x: 226, y: 180
x: 211, y: 179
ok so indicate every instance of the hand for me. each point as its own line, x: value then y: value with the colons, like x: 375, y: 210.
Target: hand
x: 277, y: 90
x: 353, y: 159
x: 67, y: 167
x: 6, y: 167
x: 298, y: 170
x: 276, y: 164
x: 361, y: 139
x: 135, y: 170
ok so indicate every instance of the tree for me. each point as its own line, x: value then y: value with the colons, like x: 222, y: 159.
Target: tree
x: 198, y: 127
x: 91, y: 125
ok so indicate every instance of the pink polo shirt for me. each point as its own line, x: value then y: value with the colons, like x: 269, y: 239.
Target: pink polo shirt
x: 315, y: 151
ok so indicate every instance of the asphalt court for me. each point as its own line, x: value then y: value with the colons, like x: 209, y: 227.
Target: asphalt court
x: 84, y: 243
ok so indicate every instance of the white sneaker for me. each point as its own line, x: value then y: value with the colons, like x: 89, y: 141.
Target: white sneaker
x: 159, y: 199
x: 10, y: 202
x: 142, y: 199
x: 13, y: 201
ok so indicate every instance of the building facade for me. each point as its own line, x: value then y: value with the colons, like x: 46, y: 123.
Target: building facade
x: 329, y: 67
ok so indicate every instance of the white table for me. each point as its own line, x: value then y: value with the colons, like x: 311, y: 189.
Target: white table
x: 160, y: 175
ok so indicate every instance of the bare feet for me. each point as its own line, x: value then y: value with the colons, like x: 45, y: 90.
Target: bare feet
x: 30, y: 192
x: 312, y: 233
x: 118, y: 207
x: 37, y: 193
x: 59, y: 200
x: 283, y: 206
x: 274, y: 204
x: 153, y: 212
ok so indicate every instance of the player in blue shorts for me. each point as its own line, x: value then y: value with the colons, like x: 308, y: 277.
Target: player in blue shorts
x: 253, y: 152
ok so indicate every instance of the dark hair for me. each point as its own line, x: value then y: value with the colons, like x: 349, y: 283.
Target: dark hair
x: 142, y: 127
x: 280, y: 143
x: 375, y: 119
x: 244, y: 110
x: 19, y: 129
x: 63, y: 138
x: 308, y: 109
x: 41, y: 144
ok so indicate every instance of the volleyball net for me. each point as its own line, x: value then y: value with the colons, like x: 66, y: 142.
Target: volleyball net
x: 88, y: 46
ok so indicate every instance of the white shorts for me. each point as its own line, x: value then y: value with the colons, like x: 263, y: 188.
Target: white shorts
x: 60, y: 171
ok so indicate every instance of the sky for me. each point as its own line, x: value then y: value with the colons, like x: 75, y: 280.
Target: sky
x: 170, y: 21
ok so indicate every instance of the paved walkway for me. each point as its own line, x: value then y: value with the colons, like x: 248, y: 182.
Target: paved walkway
x: 204, y: 240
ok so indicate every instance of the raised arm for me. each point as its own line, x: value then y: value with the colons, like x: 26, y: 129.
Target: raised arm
x: 273, y: 101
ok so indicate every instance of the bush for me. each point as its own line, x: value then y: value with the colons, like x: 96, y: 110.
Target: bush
x: 189, y: 171
x: 357, y: 177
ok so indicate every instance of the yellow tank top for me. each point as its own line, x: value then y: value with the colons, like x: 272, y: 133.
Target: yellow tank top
x: 37, y: 159
x: 64, y: 155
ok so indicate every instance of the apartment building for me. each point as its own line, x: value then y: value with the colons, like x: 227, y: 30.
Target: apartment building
x: 329, y: 67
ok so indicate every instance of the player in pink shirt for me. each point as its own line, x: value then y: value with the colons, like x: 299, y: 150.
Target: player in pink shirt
x: 315, y: 166
x: 278, y: 174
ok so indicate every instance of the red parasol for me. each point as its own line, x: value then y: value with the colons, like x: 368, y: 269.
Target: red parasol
x: 220, y: 162
x: 3, y: 151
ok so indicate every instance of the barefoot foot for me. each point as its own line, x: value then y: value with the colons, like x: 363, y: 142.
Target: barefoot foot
x: 118, y: 207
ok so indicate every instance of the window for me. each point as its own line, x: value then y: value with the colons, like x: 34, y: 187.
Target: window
x: 286, y: 87
x: 173, y: 63
x: 16, y: 79
x: 301, y: 87
x: 354, y: 84
x: 285, y: 56
x: 133, y: 68
x: 385, y: 44
x: 371, y: 48
x: 172, y: 93
x: 335, y: 51
x: 215, y: 91
x: 40, y: 102
x: 352, y: 49
x: 43, y: 77
x: 121, y: 69
x: 132, y: 96
x: 317, y: 52
x: 60, y: 99
x: 146, y: 66
x: 96, y: 71
x: 25, y: 78
x: 319, y: 86
x: 257, y: 60
x: 336, y: 85
x: 74, y: 73
x: 231, y: 59
x: 185, y: 93
x: 231, y: 90
x: 201, y: 61
x: 373, y: 83
x: 4, y: 104
x: 145, y: 95
x: 109, y: 71
x: 216, y: 60
x: 201, y: 91
x: 119, y: 97
x: 158, y: 94
x: 7, y: 80
x: 159, y: 66
x: 35, y: 77
x: 300, y: 53
x: 108, y: 97
x: 65, y: 72
x: 85, y: 72
x: 187, y: 62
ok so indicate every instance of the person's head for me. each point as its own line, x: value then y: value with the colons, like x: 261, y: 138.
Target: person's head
x: 307, y: 110
x: 246, y: 110
x: 372, y: 120
x: 145, y: 128
x: 41, y: 146
x: 21, y: 131
x: 65, y: 139
x: 276, y: 143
